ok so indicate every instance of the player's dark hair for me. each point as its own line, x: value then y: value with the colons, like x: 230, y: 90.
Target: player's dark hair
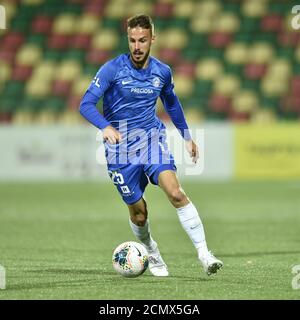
x: 141, y: 20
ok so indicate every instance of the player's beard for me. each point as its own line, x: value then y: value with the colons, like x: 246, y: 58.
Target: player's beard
x: 140, y: 63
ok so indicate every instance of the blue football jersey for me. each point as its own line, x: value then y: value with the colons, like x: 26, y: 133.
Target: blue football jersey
x: 130, y: 94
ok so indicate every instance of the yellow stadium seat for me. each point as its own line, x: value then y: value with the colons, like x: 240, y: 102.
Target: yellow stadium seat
x: 37, y: 88
x: 263, y: 116
x: 261, y: 52
x: 254, y: 8
x: 23, y: 118
x: 184, y: 86
x: 5, y: 72
x: 65, y: 24
x: 297, y: 54
x: 209, y: 8
x: 274, y: 87
x: 237, y: 53
x: 193, y: 115
x: 69, y: 70
x: 45, y: 69
x: 33, y: 2
x: 201, y: 24
x: 184, y: 9
x: 88, y: 23
x: 46, y: 118
x: 280, y: 69
x: 175, y: 38
x: 106, y: 39
x: 140, y: 6
x: 29, y: 54
x: 209, y: 69
x: 116, y: 9
x: 79, y: 86
x: 227, y: 85
x: 70, y: 117
x: 226, y: 22
x: 245, y: 101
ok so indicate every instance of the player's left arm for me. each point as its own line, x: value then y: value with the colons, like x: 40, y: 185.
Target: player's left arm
x: 174, y: 109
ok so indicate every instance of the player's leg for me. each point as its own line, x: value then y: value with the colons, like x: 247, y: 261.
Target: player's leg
x: 189, y: 219
x: 139, y: 224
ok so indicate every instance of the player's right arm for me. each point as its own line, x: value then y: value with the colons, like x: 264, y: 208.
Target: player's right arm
x: 88, y: 106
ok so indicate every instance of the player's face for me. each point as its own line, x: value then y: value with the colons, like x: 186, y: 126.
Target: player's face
x: 140, y: 41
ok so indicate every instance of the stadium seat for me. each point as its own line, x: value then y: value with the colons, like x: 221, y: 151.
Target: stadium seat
x: 21, y: 72
x: 29, y: 55
x: 184, y: 85
x: 227, y: 85
x: 183, y: 9
x: 41, y: 24
x: 271, y: 23
x: 79, y: 87
x: 254, y: 8
x: 88, y: 23
x: 237, y: 53
x: 105, y: 39
x: 68, y: 70
x: 208, y: 69
x: 64, y: 24
x: 226, y: 22
x: 261, y: 52
x: 245, y: 101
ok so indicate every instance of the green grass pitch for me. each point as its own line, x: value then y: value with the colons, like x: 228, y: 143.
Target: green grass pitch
x: 56, y: 241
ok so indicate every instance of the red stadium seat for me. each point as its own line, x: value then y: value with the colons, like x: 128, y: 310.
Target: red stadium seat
x: 168, y: 55
x: 73, y: 102
x: 289, y: 39
x: 239, y: 116
x: 163, y: 9
x: 219, y: 39
x: 21, y: 72
x: 219, y: 103
x: 255, y: 70
x: 186, y: 68
x: 295, y: 86
x: 12, y: 40
x: 41, y: 24
x: 290, y: 104
x: 61, y: 88
x: 97, y: 56
x: 271, y: 23
x: 7, y: 55
x: 81, y: 41
x: 59, y: 41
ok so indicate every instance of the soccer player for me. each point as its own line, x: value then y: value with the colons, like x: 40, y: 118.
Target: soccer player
x: 130, y: 85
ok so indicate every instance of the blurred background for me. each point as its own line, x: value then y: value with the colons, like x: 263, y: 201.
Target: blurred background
x: 235, y: 63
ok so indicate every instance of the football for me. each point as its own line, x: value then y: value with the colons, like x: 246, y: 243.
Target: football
x: 130, y: 259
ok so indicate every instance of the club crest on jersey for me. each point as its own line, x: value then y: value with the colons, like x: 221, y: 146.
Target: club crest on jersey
x: 156, y: 82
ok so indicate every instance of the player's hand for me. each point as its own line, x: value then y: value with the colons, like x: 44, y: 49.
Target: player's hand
x: 192, y: 149
x: 111, y: 135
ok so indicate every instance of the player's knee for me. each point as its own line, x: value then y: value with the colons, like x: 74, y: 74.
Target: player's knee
x: 177, y: 196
